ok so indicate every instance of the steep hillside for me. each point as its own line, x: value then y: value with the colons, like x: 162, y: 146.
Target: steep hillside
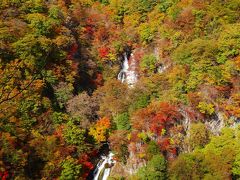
x: 156, y: 82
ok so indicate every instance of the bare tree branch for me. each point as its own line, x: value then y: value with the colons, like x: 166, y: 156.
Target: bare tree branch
x: 8, y: 98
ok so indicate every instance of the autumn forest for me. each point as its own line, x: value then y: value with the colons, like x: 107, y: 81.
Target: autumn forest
x: 119, y: 89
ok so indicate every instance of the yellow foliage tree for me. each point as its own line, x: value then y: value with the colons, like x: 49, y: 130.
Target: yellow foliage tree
x: 100, y: 129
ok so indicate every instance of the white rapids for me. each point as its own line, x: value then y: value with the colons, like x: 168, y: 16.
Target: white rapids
x: 103, y: 168
x: 128, y: 72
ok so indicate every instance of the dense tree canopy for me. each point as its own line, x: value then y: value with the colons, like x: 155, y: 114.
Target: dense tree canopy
x: 61, y: 100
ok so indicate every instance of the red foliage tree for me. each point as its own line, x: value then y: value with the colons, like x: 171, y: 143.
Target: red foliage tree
x: 4, y: 175
x: 89, y: 30
x: 166, y: 116
x: 98, y: 79
x: 73, y: 51
x: 86, y: 164
x: 103, y: 52
x: 161, y: 119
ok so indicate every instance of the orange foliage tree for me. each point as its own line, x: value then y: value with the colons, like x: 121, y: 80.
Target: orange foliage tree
x: 100, y: 130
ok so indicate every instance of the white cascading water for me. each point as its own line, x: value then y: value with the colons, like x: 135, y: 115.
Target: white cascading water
x: 128, y: 72
x: 103, y: 168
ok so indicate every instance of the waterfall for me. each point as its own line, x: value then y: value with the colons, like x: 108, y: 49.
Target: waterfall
x: 128, y: 72
x: 103, y: 168
x: 123, y: 72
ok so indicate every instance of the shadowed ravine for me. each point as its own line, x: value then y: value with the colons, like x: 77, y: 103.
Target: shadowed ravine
x: 128, y: 74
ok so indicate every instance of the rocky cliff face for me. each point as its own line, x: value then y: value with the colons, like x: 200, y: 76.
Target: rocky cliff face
x: 130, y: 168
